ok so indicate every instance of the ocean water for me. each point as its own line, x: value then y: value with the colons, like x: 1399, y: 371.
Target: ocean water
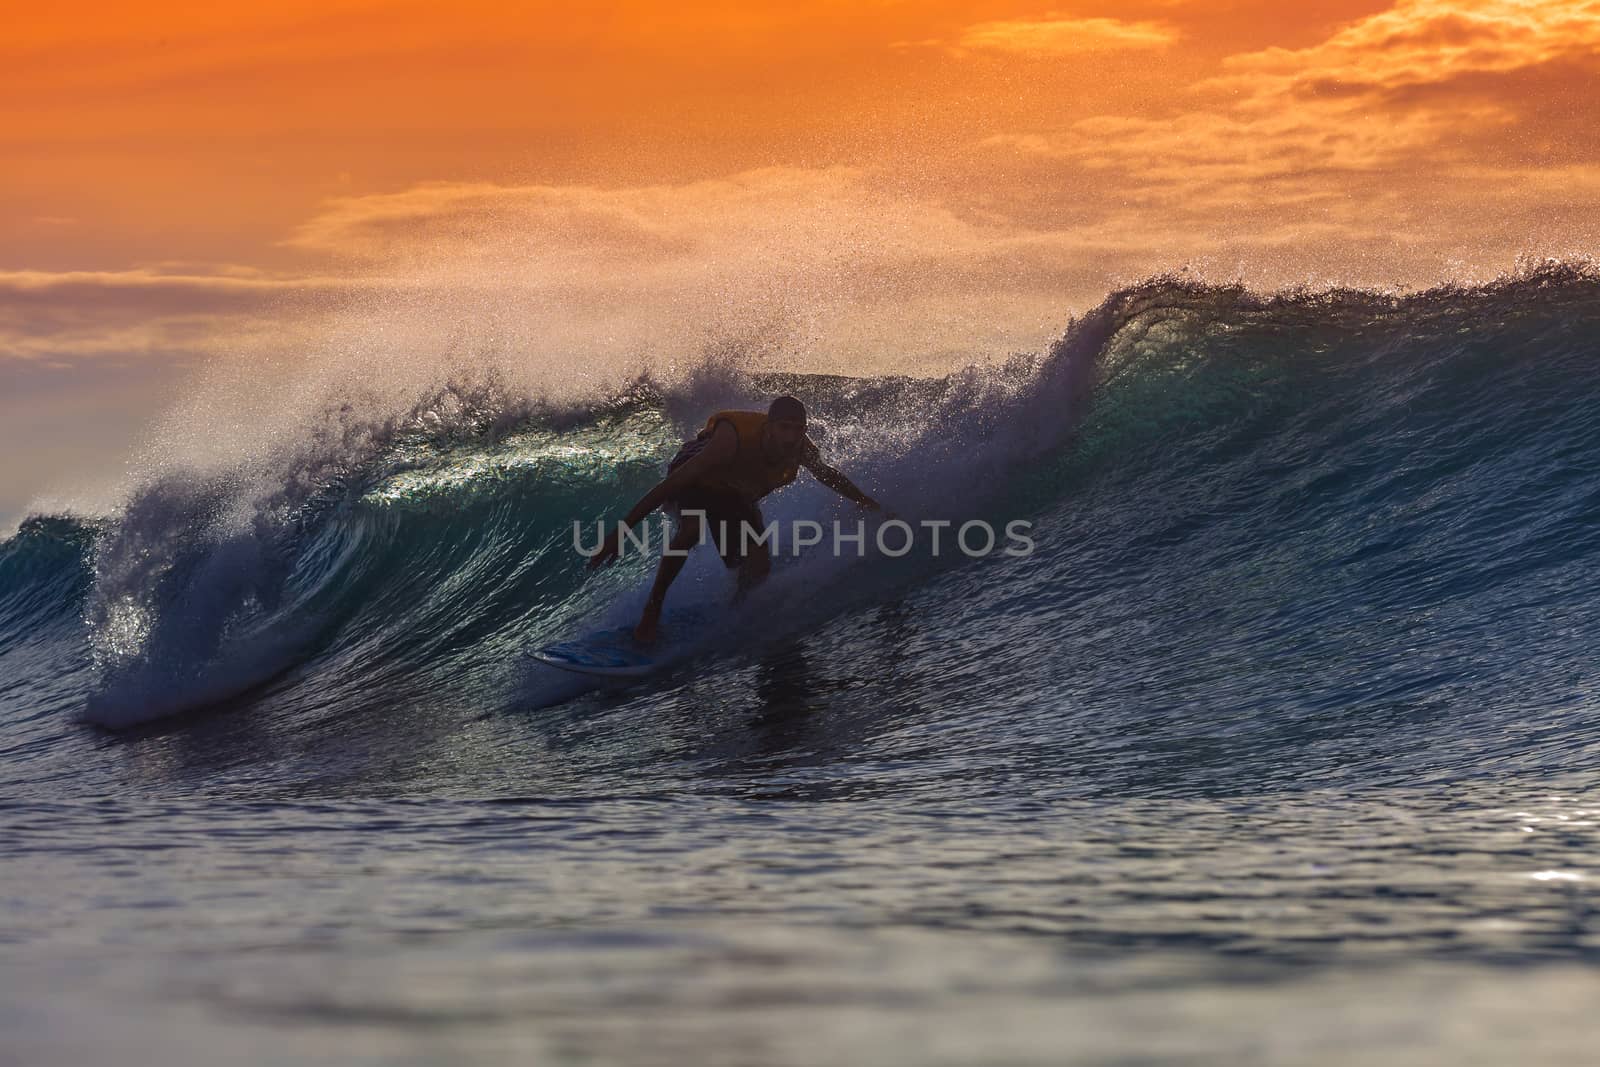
x: 1280, y: 747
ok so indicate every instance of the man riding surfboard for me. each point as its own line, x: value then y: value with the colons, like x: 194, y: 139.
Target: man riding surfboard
x: 717, y: 480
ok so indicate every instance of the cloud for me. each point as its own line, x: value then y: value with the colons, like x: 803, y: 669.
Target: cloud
x: 808, y: 233
x: 1053, y: 37
x: 223, y: 283
x: 1405, y: 100
x: 1432, y: 141
x: 1417, y: 42
x: 568, y: 220
x: 72, y: 316
x: 1225, y: 157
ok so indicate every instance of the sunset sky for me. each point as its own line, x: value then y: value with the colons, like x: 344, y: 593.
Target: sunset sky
x: 903, y: 186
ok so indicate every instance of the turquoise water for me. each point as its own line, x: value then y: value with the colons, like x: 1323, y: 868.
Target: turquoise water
x: 1280, y: 747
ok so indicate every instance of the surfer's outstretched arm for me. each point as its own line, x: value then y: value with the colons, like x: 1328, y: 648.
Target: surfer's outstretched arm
x: 719, y: 451
x: 835, y: 479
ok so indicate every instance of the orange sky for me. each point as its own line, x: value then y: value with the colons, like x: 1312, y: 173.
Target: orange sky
x: 905, y: 185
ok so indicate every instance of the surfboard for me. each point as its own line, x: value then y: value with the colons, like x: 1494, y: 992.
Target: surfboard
x: 608, y: 653
x: 613, y: 653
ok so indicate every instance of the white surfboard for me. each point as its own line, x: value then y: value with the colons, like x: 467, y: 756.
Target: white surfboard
x: 611, y: 653
x: 614, y: 653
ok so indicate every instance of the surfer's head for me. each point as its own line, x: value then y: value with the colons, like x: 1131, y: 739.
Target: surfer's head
x: 786, y: 426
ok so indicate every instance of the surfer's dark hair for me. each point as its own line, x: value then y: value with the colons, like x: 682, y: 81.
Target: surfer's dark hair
x: 787, y: 407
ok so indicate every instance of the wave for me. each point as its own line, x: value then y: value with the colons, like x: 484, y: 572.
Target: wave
x: 1366, y: 452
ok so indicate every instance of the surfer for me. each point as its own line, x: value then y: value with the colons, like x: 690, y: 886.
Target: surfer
x: 717, y: 479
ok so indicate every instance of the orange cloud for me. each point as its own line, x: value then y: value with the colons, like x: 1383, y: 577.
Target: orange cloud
x: 70, y: 316
x: 1418, y: 42
x: 1318, y: 123
x: 1053, y: 37
x: 1430, y: 141
x: 234, y: 281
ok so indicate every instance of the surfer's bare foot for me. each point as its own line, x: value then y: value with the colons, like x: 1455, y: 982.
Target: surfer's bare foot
x: 645, y: 632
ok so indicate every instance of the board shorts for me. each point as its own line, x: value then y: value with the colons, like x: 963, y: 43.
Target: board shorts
x: 725, y: 512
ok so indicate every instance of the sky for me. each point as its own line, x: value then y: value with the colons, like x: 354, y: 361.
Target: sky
x: 260, y: 190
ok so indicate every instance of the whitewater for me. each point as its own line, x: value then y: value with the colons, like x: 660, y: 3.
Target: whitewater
x: 1279, y: 747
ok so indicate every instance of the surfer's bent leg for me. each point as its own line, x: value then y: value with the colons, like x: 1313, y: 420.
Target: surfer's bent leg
x: 686, y: 537
x: 756, y: 563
